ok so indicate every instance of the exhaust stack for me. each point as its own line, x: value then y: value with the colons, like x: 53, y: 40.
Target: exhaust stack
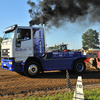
x: 44, y: 39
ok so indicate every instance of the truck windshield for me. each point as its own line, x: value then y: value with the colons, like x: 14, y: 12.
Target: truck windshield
x: 9, y: 35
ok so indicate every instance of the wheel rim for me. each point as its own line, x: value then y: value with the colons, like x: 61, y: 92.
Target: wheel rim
x: 80, y: 67
x: 32, y: 69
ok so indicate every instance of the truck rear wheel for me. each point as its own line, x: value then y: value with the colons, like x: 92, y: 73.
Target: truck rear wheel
x: 32, y: 69
x: 79, y: 66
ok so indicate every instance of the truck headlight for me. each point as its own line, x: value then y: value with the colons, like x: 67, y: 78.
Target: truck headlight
x: 10, y: 62
x: 10, y: 68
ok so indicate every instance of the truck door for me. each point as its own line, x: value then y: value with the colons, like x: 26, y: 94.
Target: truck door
x: 38, y: 42
x: 23, y: 44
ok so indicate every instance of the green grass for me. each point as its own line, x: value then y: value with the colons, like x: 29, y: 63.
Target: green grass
x: 93, y: 94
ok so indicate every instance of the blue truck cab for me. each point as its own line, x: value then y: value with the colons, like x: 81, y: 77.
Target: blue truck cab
x: 23, y: 50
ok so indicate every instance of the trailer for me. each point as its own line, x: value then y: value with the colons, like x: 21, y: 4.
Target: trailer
x: 29, y: 55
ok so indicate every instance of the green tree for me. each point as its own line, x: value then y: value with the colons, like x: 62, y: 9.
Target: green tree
x: 0, y: 42
x: 90, y: 38
x: 1, y: 39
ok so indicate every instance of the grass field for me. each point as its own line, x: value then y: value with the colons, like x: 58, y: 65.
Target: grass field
x: 91, y: 94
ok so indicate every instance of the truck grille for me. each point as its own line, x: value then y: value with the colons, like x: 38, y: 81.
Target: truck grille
x: 4, y: 52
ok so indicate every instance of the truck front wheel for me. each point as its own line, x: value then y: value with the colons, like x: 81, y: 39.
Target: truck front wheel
x: 79, y: 66
x: 32, y: 69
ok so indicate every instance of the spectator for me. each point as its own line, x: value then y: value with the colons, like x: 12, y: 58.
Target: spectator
x: 27, y: 36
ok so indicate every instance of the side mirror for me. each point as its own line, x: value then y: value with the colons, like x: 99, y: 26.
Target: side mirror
x: 18, y: 43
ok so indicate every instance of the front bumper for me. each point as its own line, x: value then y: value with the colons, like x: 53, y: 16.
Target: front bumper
x: 17, y: 67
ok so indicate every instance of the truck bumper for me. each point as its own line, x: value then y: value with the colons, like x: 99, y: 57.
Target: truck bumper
x: 12, y: 66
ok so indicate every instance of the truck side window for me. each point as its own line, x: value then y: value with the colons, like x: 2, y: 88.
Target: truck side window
x: 22, y: 35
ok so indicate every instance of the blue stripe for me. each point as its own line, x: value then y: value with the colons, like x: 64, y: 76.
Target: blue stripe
x: 79, y: 81
x: 78, y: 98
x: 80, y: 93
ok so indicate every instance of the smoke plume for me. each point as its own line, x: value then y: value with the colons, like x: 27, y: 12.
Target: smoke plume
x: 57, y: 12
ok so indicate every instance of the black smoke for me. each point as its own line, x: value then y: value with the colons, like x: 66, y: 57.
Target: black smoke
x: 57, y: 12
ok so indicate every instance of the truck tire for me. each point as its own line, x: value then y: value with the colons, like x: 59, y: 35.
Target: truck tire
x: 79, y: 66
x: 32, y: 69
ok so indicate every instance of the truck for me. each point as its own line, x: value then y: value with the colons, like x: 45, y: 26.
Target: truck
x: 59, y: 48
x: 30, y: 56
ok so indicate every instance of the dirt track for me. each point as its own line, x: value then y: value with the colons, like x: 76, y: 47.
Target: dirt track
x: 13, y: 83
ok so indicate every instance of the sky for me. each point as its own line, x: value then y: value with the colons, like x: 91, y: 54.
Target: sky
x: 16, y: 12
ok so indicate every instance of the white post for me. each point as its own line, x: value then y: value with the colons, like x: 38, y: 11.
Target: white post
x: 78, y: 93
